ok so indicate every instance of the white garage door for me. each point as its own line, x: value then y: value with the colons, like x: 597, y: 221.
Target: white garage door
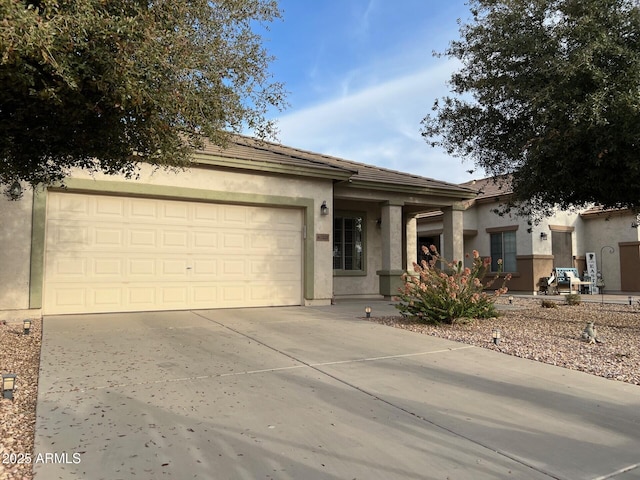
x: 115, y: 254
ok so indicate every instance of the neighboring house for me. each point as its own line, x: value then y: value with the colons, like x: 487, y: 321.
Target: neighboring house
x: 530, y: 252
x: 255, y: 224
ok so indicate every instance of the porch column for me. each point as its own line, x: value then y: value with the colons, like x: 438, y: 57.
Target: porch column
x: 453, y: 231
x: 411, y: 227
x: 392, y: 246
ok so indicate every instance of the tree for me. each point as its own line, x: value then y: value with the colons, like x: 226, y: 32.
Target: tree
x: 105, y: 84
x: 548, y: 93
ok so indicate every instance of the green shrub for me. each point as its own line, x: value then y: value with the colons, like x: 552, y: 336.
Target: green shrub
x: 442, y: 292
x: 572, y: 299
x: 549, y: 304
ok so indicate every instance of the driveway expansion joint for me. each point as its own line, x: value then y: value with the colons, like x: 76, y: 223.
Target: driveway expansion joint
x: 618, y: 472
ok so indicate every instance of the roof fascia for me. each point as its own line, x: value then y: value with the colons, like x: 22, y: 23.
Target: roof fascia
x: 388, y: 187
x: 606, y: 213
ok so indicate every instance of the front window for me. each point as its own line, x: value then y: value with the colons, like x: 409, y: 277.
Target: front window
x: 348, y: 242
x: 503, y: 246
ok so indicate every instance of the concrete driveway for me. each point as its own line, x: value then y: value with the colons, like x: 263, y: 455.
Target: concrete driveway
x: 314, y: 393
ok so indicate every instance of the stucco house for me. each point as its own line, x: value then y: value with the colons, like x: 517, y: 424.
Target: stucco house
x: 530, y: 252
x: 254, y: 224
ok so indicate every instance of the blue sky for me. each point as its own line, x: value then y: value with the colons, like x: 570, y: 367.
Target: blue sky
x: 361, y: 76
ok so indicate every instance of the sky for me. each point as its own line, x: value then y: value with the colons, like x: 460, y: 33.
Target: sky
x: 360, y: 77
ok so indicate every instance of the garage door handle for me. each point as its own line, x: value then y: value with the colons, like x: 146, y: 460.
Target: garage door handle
x: 188, y: 268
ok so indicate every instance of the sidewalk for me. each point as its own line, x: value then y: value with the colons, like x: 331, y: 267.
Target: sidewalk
x: 619, y: 298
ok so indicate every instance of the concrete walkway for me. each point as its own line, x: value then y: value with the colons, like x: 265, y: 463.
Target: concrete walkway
x: 314, y: 393
x: 617, y: 298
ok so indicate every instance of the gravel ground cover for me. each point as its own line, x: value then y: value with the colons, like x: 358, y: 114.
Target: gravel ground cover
x: 549, y: 335
x: 553, y: 335
x: 19, y: 354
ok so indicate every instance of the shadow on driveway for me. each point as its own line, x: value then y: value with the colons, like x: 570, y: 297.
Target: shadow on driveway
x: 292, y: 393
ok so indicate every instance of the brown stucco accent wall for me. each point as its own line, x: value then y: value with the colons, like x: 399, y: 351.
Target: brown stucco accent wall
x: 530, y: 269
x: 580, y: 262
x: 629, y: 266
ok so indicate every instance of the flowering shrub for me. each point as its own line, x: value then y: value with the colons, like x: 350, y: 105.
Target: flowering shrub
x: 442, y: 292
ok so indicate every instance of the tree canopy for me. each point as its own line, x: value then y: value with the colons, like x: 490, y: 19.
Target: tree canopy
x: 548, y: 93
x: 105, y: 84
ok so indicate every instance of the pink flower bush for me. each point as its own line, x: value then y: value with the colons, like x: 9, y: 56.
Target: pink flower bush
x: 442, y: 292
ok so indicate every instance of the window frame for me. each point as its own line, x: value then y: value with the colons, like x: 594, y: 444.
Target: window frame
x: 349, y: 214
x: 493, y: 267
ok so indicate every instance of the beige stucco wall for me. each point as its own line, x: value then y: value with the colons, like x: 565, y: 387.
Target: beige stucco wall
x: 558, y: 219
x: 480, y: 217
x: 607, y: 231
x: 362, y: 285
x: 591, y: 234
x: 15, y: 251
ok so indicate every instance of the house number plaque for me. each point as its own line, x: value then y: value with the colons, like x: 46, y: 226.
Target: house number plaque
x: 322, y: 237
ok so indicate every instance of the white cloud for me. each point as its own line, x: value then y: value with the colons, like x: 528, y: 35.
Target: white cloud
x: 379, y: 125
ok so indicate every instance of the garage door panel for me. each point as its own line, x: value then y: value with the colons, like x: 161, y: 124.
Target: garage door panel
x: 137, y: 268
x: 205, y: 295
x: 265, y: 290
x: 125, y: 254
x: 175, y: 211
x: 141, y: 297
x: 233, y: 241
x: 72, y: 300
x: 142, y: 210
x: 171, y: 268
x: 71, y: 207
x: 233, y: 268
x: 275, y: 219
x: 175, y: 295
x: 174, y: 238
x: 233, y: 215
x: 107, y: 297
x: 142, y: 238
x: 111, y: 207
x: 276, y: 269
x: 205, y: 240
x: 204, y: 268
x: 68, y: 266
x: 232, y: 294
x: 277, y: 242
x: 205, y: 213
x: 67, y: 236
x: 108, y: 267
x: 108, y: 237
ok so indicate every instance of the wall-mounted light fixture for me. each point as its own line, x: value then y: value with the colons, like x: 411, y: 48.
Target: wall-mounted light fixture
x: 26, y: 325
x: 8, y: 385
x: 324, y: 210
x: 543, y: 235
x: 15, y: 191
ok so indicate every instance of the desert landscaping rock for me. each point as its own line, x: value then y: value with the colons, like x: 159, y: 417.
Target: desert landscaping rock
x: 19, y: 354
x: 553, y: 335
